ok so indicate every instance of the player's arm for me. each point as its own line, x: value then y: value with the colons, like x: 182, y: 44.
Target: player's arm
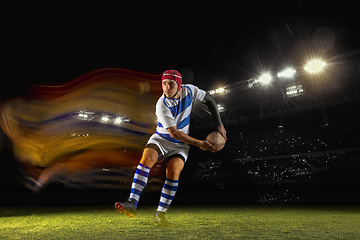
x: 209, y: 101
x: 203, y: 145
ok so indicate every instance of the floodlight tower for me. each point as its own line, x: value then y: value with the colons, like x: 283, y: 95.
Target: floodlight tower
x: 287, y: 73
x: 315, y: 66
x: 265, y: 78
x: 292, y: 87
x: 316, y: 76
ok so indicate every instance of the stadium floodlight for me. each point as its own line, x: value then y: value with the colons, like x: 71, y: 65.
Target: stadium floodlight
x: 105, y: 119
x: 212, y: 92
x: 221, y: 107
x: 315, y: 66
x: 118, y: 120
x: 287, y: 73
x: 85, y: 115
x: 265, y: 78
x: 295, y: 90
x: 82, y: 115
x: 220, y: 90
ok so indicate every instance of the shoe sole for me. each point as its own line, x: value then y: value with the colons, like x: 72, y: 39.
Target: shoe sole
x: 121, y: 209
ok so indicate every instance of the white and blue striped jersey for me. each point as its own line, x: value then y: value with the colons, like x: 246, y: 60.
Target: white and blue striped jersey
x: 172, y: 112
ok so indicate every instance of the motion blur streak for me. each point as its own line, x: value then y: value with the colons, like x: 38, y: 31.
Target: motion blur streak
x: 89, y: 132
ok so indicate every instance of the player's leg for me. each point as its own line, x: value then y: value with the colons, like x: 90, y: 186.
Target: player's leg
x: 173, y: 170
x: 140, y: 179
x: 150, y: 155
x: 174, y: 167
x: 141, y: 175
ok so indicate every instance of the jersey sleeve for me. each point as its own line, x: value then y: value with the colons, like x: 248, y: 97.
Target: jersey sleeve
x: 164, y: 116
x: 199, y: 94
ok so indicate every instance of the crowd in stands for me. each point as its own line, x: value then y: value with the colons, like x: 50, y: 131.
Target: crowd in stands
x: 307, y: 132
x: 306, y: 147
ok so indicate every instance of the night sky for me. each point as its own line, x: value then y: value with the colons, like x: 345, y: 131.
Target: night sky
x: 57, y: 46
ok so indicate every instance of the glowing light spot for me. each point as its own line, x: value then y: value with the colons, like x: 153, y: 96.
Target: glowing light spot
x: 104, y: 119
x: 265, y: 78
x: 118, y: 120
x: 315, y: 66
x: 287, y: 73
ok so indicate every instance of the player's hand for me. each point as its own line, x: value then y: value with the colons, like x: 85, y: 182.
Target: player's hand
x: 206, y: 146
x: 222, y: 131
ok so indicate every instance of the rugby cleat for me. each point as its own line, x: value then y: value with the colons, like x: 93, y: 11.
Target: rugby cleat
x: 160, y: 219
x: 128, y: 208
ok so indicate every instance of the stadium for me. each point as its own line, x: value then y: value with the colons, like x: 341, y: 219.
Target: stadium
x: 287, y: 134
x: 290, y: 106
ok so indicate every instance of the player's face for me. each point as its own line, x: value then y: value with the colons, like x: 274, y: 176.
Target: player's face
x: 169, y: 88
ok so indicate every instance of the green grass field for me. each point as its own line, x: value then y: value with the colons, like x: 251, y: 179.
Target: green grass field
x: 188, y: 222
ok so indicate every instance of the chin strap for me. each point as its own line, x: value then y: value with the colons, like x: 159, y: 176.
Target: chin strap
x: 174, y: 95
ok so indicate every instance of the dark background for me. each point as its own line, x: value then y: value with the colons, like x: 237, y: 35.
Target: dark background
x: 60, y: 43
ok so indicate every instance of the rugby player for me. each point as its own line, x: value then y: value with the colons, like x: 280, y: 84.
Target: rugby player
x: 170, y: 141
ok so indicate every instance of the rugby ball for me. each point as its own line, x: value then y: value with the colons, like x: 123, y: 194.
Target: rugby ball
x: 217, y: 141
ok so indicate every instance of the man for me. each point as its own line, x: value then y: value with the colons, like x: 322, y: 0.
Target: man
x: 170, y: 141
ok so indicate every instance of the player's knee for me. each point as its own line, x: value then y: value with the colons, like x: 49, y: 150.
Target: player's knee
x: 148, y: 159
x: 173, y: 174
x: 174, y: 168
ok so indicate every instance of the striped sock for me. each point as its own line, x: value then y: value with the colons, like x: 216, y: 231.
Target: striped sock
x: 139, y: 182
x: 167, y: 194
